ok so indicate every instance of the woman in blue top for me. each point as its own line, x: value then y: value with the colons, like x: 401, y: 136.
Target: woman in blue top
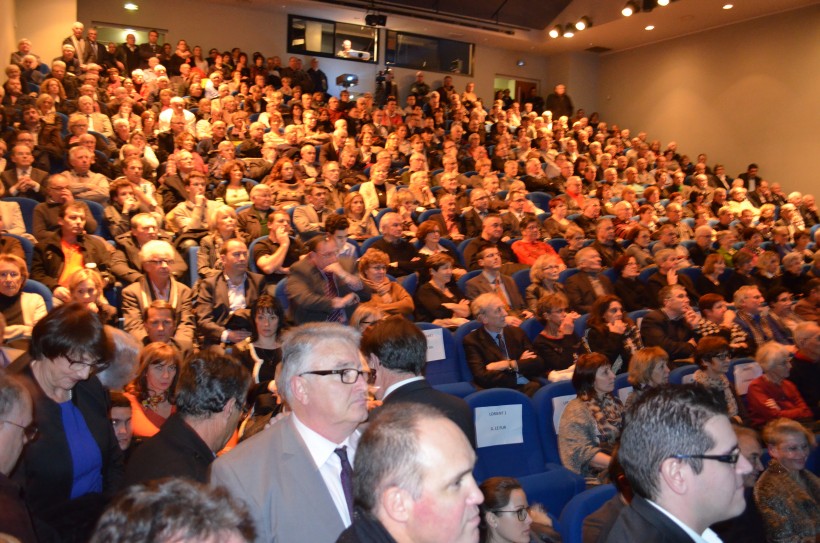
x: 69, y: 471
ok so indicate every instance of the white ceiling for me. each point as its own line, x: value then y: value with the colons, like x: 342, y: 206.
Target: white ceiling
x: 610, y: 29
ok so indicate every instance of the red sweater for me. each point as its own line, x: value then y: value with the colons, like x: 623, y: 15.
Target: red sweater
x: 785, y: 395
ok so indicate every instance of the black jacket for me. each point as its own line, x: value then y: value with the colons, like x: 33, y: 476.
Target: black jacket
x: 49, y: 260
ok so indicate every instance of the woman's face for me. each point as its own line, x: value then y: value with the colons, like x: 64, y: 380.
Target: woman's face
x: 630, y: 271
x: 160, y: 376
x: 125, y: 110
x: 11, y: 280
x: 376, y: 272
x: 792, y: 452
x: 718, y: 364
x: 604, y: 380
x: 615, y: 312
x: 188, y: 144
x: 227, y: 223
x: 555, y: 315
x: 85, y: 292
x: 236, y: 174
x: 560, y: 211
x: 443, y: 274
x: 357, y: 206
x: 531, y: 233
x: 287, y: 171
x: 267, y: 324
x: 720, y: 266
x: 659, y: 375
x: 507, y: 527
x: 53, y: 87
x: 644, y: 237
x: 550, y: 270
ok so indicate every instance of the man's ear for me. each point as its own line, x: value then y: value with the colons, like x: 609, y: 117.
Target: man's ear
x: 397, y: 503
x: 675, y: 475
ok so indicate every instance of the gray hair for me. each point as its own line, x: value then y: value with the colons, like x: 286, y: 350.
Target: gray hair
x: 771, y: 353
x: 482, y: 302
x: 153, y: 246
x: 805, y: 331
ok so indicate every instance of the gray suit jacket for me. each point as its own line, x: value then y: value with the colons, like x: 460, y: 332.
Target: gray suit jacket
x: 480, y: 285
x: 274, y: 474
x: 306, y: 291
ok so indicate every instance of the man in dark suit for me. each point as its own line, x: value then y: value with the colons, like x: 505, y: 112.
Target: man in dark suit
x: 750, y: 177
x: 474, y: 216
x: 24, y: 180
x: 397, y: 350
x: 683, y: 462
x: 491, y: 231
x: 320, y: 289
x: 225, y: 299
x: 210, y: 397
x: 450, y: 222
x: 332, y: 150
x: 588, y: 284
x: 151, y: 49
x: 511, y: 219
x: 492, y: 280
x: 501, y: 355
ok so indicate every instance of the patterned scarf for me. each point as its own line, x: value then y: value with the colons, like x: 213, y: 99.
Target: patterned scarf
x: 608, y: 413
x: 719, y: 384
x: 761, y: 331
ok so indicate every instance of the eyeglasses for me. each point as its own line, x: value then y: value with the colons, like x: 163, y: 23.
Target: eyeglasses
x: 76, y: 365
x: 730, y: 458
x: 347, y: 375
x: 721, y: 356
x: 29, y: 432
x: 521, y: 513
x: 161, y: 261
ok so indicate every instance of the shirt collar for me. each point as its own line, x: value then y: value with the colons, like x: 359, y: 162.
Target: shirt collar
x: 321, y: 448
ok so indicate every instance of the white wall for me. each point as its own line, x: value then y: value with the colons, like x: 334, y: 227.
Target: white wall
x: 45, y: 22
x: 745, y: 93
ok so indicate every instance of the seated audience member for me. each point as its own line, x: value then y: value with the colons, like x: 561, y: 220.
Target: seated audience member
x: 210, y: 398
x: 224, y: 299
x: 667, y: 274
x: 492, y: 280
x: 710, y: 281
x: 773, y: 395
x: 21, y: 310
x: 702, y: 247
x: 609, y: 249
x: 404, y: 258
x: 557, y: 345
x: 233, y: 191
x: 362, y: 225
x: 632, y: 292
x: 261, y: 352
x: 544, y: 279
x: 588, y: 219
x: 788, y: 494
x: 24, y: 180
x: 671, y: 428
x: 68, y: 347
x: 588, y: 284
x: 718, y: 320
x: 279, y: 251
x: 668, y: 239
x: 309, y: 219
x: 672, y: 326
x: 86, y: 288
x: 591, y: 423
x: 712, y: 357
x: 439, y: 300
x: 782, y: 317
x: 500, y: 354
x: 16, y: 410
x: 320, y: 289
x: 222, y: 227
x: 557, y: 223
x: 641, y: 237
x: 161, y: 326
x: 126, y: 201
x: 47, y: 214
x: 209, y: 514
x: 151, y: 393
x: 506, y: 516
x: 157, y: 258
x: 530, y: 247
x: 388, y: 295
x: 809, y: 307
x: 83, y: 183
x: 450, y: 221
x: 805, y: 370
x: 611, y: 333
x: 792, y: 278
x: 58, y: 256
x: 767, y: 272
x: 337, y: 228
x: 377, y: 192
x: 429, y: 235
x: 515, y: 214
x: 120, y: 415
x: 396, y: 350
x: 741, y: 274
x: 125, y: 260
x: 648, y: 368
x: 491, y: 232
x: 253, y: 222
x: 759, y: 327
x: 192, y: 216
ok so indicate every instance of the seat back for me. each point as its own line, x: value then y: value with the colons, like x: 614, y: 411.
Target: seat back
x: 410, y: 283
x: 98, y: 212
x: 522, y: 281
x: 622, y: 387
x: 425, y: 215
x: 38, y: 288
x: 579, y: 508
x: 251, y: 260
x: 281, y: 295
x: 532, y: 327
x: 193, y: 264
x: 581, y: 324
x: 27, y: 206
x: 566, y: 274
x: 462, y: 281
x: 366, y: 244
x: 742, y: 372
x: 644, y: 276
x: 507, y: 436
x: 683, y: 374
x: 553, y: 489
x: 28, y: 247
x: 549, y: 403
x: 443, y: 362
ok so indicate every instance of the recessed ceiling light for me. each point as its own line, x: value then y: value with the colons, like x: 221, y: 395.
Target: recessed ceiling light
x: 728, y: 6
x: 650, y: 27
x: 130, y: 6
x: 663, y: 3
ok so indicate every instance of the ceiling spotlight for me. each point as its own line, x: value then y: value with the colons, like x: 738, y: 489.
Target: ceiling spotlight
x: 583, y: 23
x: 520, y: 63
x: 130, y: 6
x: 629, y: 9
x: 555, y: 31
x: 649, y: 27
x: 569, y: 31
x: 728, y: 6
x: 663, y: 3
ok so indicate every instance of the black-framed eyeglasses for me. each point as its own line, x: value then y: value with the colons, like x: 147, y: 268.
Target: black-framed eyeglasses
x: 29, y: 432
x: 347, y: 375
x: 161, y: 262
x: 95, y: 365
x: 730, y: 458
x: 721, y: 356
x: 521, y: 513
